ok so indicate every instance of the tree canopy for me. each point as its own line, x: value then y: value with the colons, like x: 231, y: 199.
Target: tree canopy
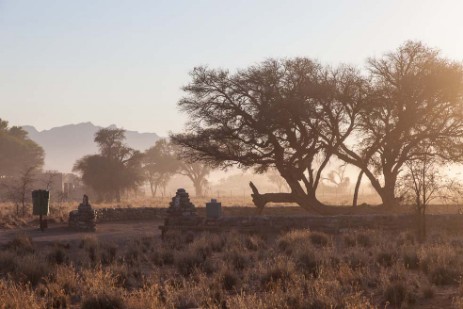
x: 17, y: 151
x: 160, y: 164
x: 266, y: 116
x: 415, y: 99
x: 115, y: 169
x: 295, y: 115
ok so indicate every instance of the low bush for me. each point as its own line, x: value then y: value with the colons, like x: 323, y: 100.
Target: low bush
x: 21, y: 244
x: 58, y: 256
x: 308, y: 264
x: 103, y: 301
x: 187, y: 262
x: 279, y: 272
x: 349, y: 241
x: 319, y: 239
x: 293, y: 240
x: 229, y: 280
x: 239, y: 261
x: 31, y: 269
x: 7, y: 262
x: 411, y: 259
x: 395, y: 294
x: 444, y: 275
x: 364, y: 240
x: 385, y: 258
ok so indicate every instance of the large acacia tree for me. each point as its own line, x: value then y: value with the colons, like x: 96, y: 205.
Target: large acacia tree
x: 117, y: 167
x: 414, y: 99
x: 268, y: 116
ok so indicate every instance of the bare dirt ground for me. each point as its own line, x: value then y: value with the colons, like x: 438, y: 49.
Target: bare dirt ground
x: 115, y: 232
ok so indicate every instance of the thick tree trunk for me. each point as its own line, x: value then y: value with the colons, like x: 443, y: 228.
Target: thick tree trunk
x: 388, y: 196
x: 261, y: 199
x: 307, y: 202
x: 198, y: 188
x: 357, y: 188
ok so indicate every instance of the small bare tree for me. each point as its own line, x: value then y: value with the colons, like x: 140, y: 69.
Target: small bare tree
x: 421, y: 184
x: 18, y: 189
x: 197, y: 172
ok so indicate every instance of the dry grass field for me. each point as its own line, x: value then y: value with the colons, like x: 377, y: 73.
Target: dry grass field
x: 296, y: 269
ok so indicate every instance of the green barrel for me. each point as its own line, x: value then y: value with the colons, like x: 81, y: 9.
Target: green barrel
x: 40, y: 202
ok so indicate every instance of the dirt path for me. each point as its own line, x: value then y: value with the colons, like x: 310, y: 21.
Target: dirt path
x: 117, y: 232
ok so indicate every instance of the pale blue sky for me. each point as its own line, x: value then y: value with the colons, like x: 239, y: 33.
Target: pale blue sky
x: 124, y: 62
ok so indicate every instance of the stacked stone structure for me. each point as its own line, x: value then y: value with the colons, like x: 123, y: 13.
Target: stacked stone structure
x: 181, y: 210
x: 84, y: 218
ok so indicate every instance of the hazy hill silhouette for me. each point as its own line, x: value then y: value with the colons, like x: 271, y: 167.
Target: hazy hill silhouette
x: 65, y: 144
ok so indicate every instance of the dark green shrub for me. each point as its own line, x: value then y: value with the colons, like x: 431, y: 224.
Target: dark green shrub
x: 275, y: 273
x: 395, y: 294
x: 217, y: 242
x: 443, y: 275
x: 163, y: 257
x: 229, y: 280
x: 308, y: 264
x: 7, y: 262
x: 411, y: 259
x: 167, y: 257
x: 364, y: 240
x: 103, y: 301
x: 385, y: 259
x: 21, y: 243
x: 355, y: 260
x: 109, y: 254
x: 58, y: 256
x: 186, y: 302
x: 319, y: 304
x: 428, y: 292
x: 31, y: 269
x: 238, y: 260
x: 319, y: 239
x: 349, y: 241
x: 186, y: 262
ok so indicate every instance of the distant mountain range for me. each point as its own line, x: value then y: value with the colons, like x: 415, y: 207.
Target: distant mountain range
x: 66, y: 144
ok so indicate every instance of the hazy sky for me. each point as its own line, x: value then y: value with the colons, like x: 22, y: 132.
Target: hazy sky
x: 124, y: 62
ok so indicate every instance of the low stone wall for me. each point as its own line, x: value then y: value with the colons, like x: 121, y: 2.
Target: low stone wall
x: 122, y: 214
x: 451, y: 222
x: 340, y: 223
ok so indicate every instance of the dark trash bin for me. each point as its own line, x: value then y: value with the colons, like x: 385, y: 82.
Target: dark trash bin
x: 41, y: 206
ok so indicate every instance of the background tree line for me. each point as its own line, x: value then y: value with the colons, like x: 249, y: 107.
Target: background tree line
x: 115, y: 170
x: 20, y: 161
x: 119, y: 168
x: 297, y: 115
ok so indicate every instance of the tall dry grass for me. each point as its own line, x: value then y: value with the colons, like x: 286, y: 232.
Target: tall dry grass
x: 297, y: 269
